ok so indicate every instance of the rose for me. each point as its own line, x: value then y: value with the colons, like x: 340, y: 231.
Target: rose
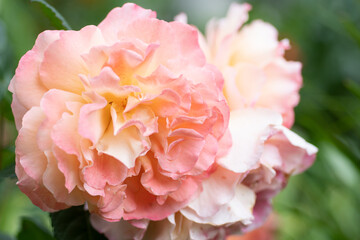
x: 252, y: 61
x: 114, y: 110
x: 126, y: 117
x: 237, y: 196
x: 257, y: 76
x: 264, y: 152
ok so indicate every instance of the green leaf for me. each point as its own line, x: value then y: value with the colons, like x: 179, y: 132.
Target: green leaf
x: 5, y: 237
x: 56, y: 19
x: 30, y: 231
x: 353, y: 87
x: 74, y: 223
x: 8, y: 172
x: 351, y: 28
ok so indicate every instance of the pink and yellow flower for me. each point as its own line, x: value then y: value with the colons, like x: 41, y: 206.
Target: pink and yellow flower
x: 261, y: 88
x: 125, y: 116
x: 128, y: 118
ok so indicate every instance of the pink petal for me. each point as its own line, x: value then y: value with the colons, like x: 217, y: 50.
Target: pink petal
x: 249, y: 128
x: 181, y: 17
x: 53, y: 103
x: 187, y: 39
x: 256, y: 43
x: 105, y: 170
x: 31, y: 159
x: 26, y: 84
x: 280, y: 92
x: 154, y: 181
x: 125, y: 146
x: 189, y: 188
x: 238, y: 209
x: 69, y: 165
x: 217, y: 30
x: 37, y: 193
x: 94, y: 118
x: 207, y: 155
x: 297, y: 155
x: 166, y: 104
x: 54, y: 181
x: 182, y: 148
x: 46, y: 183
x: 174, y: 53
x: 64, y: 132
x: 244, y: 86
x: 19, y: 111
x: 122, y: 17
x: 142, y: 117
x: 141, y: 204
x: 110, y: 206
x: 218, y: 190
x: 122, y: 228
x: 225, y: 144
x: 62, y: 61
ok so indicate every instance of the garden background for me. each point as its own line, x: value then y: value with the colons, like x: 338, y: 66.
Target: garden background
x: 322, y: 203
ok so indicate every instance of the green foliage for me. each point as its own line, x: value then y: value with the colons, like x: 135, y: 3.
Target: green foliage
x: 74, y: 223
x: 15, y: 206
x: 30, y: 231
x: 8, y: 172
x: 6, y: 118
x: 5, y: 237
x: 57, y: 20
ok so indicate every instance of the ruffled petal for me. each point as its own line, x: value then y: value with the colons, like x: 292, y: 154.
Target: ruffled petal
x: 238, y: 209
x: 218, y: 190
x: 26, y: 83
x: 250, y: 128
x: 105, y: 170
x: 122, y: 229
x: 256, y: 43
x: 59, y: 74
x: 126, y: 145
x: 122, y: 17
x: 28, y: 152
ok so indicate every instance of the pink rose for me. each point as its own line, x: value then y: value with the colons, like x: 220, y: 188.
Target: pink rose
x: 125, y: 116
x: 252, y: 61
x: 237, y: 196
x: 261, y: 88
x: 258, y: 77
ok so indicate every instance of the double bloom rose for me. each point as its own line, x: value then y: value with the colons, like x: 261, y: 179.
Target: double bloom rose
x: 163, y: 133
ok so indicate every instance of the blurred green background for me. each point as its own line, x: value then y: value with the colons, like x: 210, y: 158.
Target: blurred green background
x: 322, y: 203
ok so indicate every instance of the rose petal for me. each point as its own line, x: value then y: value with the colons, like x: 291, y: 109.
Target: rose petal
x: 218, y: 190
x: 105, y: 170
x: 125, y: 229
x: 26, y: 82
x: 238, y: 209
x: 249, y: 128
x: 126, y: 146
x: 122, y: 17
x: 64, y: 75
